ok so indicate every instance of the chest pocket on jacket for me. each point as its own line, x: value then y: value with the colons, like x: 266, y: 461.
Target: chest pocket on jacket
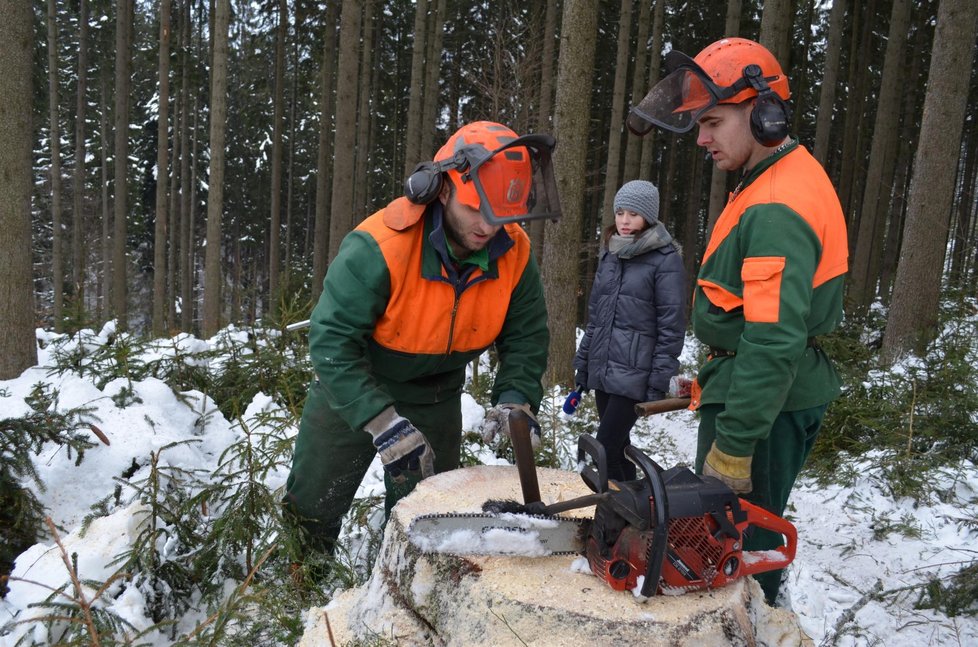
x: 762, y: 288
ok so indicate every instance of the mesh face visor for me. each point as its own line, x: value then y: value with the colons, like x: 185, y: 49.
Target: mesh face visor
x: 513, y: 183
x: 676, y: 102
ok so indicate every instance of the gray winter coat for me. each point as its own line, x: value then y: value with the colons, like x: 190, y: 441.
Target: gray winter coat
x: 636, y: 324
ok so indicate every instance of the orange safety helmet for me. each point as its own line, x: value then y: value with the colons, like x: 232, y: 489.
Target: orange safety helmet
x: 730, y: 70
x: 724, y: 61
x: 506, y: 177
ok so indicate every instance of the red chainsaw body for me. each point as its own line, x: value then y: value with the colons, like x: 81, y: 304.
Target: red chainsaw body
x: 694, y: 542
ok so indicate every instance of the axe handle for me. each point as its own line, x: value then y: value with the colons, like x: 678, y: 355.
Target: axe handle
x: 661, y: 406
x: 519, y: 433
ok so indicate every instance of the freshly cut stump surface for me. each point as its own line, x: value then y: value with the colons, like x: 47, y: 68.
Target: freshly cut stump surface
x: 423, y: 599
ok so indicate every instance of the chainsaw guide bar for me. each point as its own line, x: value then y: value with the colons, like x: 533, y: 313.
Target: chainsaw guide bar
x: 504, y: 534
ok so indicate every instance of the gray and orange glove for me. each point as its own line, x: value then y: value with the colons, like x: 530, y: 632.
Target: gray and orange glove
x: 497, y: 423
x: 401, y: 446
x: 734, y: 471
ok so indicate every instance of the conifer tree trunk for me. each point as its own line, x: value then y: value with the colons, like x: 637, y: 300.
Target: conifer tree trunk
x: 436, y: 37
x: 612, y: 174
x: 776, y: 21
x: 862, y: 30
x: 57, y: 233
x: 876, y: 196
x: 278, y: 101
x: 633, y: 144
x: 78, y: 179
x: 655, y: 62
x: 18, y: 349
x: 719, y: 178
x: 215, y: 193
x: 826, y: 97
x: 174, y: 215
x: 546, y: 87
x: 188, y: 178
x: 364, y: 114
x: 916, y: 293
x: 105, y: 276
x: 341, y: 206
x: 412, y: 134
x: 123, y: 62
x: 572, y: 113
x: 160, y: 298
x: 320, y: 250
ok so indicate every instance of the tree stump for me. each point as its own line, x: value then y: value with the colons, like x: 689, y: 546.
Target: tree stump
x: 422, y: 599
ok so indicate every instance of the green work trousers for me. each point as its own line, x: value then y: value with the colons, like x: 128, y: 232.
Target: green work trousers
x: 777, y: 461
x: 331, y: 459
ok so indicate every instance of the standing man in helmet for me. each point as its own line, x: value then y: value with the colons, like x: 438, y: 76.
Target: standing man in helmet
x: 771, y: 279
x: 417, y: 291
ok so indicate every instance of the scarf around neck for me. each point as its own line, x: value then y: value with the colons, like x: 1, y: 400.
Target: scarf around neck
x: 625, y: 247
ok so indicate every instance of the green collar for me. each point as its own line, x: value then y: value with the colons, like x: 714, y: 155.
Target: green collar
x: 480, y: 258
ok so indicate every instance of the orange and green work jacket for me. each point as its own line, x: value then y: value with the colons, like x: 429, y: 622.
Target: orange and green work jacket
x: 399, y: 319
x: 771, y: 280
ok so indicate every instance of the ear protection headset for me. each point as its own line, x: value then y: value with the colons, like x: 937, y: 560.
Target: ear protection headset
x: 425, y: 182
x: 770, y: 115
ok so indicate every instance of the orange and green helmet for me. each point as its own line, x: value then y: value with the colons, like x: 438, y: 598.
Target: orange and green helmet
x: 507, y: 177
x: 722, y: 73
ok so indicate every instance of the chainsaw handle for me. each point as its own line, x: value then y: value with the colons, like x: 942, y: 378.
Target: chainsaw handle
x: 768, y: 560
x: 596, y: 478
x: 660, y: 525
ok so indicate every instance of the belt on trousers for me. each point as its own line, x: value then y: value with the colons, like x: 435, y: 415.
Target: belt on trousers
x: 716, y: 353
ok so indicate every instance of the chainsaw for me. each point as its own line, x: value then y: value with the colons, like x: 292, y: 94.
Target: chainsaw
x: 668, y: 532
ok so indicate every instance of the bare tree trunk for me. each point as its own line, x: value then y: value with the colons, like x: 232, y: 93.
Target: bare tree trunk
x: 57, y: 233
x: 655, y: 62
x: 826, y: 98
x: 572, y: 115
x: 120, y: 161
x: 436, y: 37
x: 215, y: 193
x: 320, y: 250
x: 862, y: 30
x: 341, y: 207
x: 776, y: 21
x: 162, y: 175
x: 78, y: 181
x: 617, y: 119
x: 537, y: 227
x: 189, y: 256
x: 719, y: 178
x: 18, y: 348
x: 412, y: 135
x: 916, y: 294
x: 274, y: 229
x: 633, y: 145
x: 364, y: 114
x: 876, y: 196
x: 290, y: 167
x: 105, y: 276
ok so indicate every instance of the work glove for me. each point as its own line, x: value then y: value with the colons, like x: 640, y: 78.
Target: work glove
x: 734, y: 471
x: 497, y: 423
x: 573, y: 400
x: 402, y: 448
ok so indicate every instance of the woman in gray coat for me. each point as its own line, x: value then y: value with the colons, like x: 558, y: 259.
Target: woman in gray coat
x: 636, y: 320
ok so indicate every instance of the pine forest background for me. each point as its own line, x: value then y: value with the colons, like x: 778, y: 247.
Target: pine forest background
x: 253, y: 135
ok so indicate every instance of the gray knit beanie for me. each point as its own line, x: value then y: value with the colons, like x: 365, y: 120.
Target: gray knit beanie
x: 641, y: 197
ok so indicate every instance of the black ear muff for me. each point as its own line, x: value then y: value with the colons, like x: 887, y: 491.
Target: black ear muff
x: 425, y: 182
x: 770, y: 115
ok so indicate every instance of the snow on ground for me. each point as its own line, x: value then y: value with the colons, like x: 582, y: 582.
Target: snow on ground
x: 852, y: 540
